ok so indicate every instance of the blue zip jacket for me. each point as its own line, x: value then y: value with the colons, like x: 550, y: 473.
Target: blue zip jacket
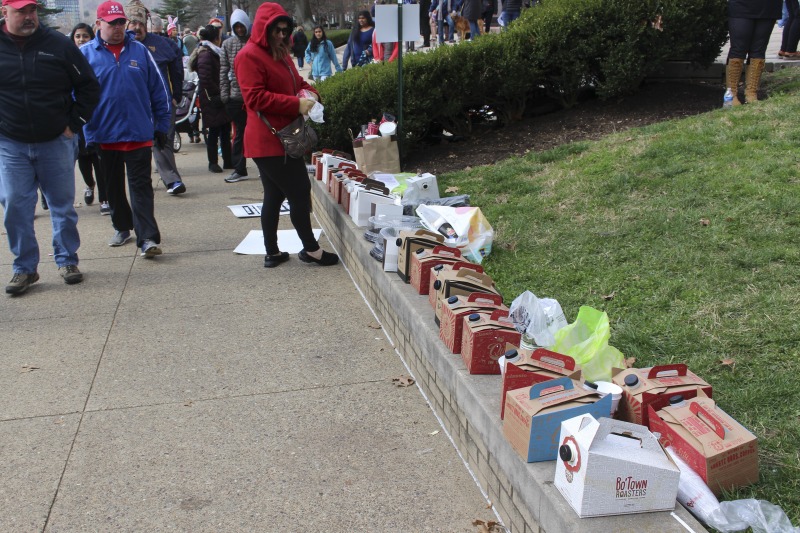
x: 169, y: 60
x: 322, y: 58
x: 134, y: 100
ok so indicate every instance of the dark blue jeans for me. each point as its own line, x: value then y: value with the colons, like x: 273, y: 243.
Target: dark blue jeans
x: 749, y: 37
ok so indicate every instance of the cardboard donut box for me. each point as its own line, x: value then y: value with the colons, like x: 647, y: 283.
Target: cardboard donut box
x: 483, y: 340
x: 541, y: 365
x: 457, y: 307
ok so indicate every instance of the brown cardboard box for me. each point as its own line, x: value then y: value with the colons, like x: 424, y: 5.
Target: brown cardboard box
x: 534, y: 415
x: 541, y: 365
x: 722, y: 451
x: 410, y: 242
x: 463, y: 281
x: 422, y: 262
x: 655, y: 386
x: 440, y: 270
x: 457, y: 307
x: 484, y: 338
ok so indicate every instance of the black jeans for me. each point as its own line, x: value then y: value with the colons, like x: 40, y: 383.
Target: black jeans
x: 749, y: 37
x: 85, y: 163
x: 219, y: 136
x: 285, y: 178
x: 238, y: 115
x: 139, y: 215
x: 791, y: 30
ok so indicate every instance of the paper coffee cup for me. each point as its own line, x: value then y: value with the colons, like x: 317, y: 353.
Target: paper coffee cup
x: 605, y: 387
x: 388, y: 128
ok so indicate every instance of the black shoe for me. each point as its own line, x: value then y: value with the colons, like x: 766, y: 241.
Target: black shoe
x: 44, y: 203
x: 215, y: 168
x: 71, y: 274
x: 327, y: 259
x: 271, y: 261
x: 88, y: 195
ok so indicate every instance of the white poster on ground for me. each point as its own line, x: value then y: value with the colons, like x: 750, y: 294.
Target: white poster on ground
x: 288, y: 241
x: 254, y: 210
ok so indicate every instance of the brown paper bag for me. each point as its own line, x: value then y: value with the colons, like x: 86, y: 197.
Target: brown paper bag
x: 379, y: 154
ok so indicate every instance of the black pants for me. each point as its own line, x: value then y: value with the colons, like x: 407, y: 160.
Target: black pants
x: 139, y: 215
x: 750, y: 37
x: 285, y: 178
x: 219, y: 136
x: 85, y: 163
x: 791, y: 30
x: 238, y: 115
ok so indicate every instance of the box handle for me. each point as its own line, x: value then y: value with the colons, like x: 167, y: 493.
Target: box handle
x: 485, y: 296
x: 656, y: 371
x: 550, y: 387
x: 700, y: 412
x: 467, y: 264
x: 554, y: 358
x: 446, y: 251
x: 497, y: 314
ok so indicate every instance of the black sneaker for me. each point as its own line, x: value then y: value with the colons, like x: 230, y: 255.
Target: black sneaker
x: 88, y: 195
x: 327, y: 259
x: 71, y: 274
x: 271, y: 261
x: 215, y: 168
x: 176, y: 188
x: 20, y: 282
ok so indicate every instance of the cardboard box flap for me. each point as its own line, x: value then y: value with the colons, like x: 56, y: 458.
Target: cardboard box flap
x: 617, y: 433
x: 558, y: 394
x: 473, y: 276
x: 658, y: 379
x: 468, y: 265
x: 438, y: 237
x: 554, y: 361
x: 497, y: 320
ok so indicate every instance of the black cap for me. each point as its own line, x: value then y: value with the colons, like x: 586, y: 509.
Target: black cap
x: 452, y: 299
x: 437, y: 284
x: 631, y: 380
x: 420, y: 250
x: 590, y: 384
x: 565, y: 452
x: 474, y: 317
x: 675, y: 400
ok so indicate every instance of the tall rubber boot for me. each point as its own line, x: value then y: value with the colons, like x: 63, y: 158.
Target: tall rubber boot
x: 733, y: 76
x: 754, y: 71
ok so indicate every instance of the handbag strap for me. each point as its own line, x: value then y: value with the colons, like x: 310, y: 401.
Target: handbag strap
x: 294, y: 85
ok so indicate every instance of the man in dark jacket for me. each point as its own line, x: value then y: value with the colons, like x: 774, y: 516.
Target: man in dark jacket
x: 47, y: 93
x: 168, y: 57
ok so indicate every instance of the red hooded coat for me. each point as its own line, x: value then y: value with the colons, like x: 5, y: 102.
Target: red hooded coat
x: 267, y: 86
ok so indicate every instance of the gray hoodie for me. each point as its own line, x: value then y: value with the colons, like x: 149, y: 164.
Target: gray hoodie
x: 229, y: 87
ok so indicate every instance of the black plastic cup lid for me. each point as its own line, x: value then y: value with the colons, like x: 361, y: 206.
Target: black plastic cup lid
x: 631, y: 380
x: 511, y: 354
x: 565, y: 452
x: 420, y: 250
x: 675, y: 400
x: 399, y: 241
x: 438, y: 267
x: 590, y: 384
x: 437, y: 284
x: 474, y: 317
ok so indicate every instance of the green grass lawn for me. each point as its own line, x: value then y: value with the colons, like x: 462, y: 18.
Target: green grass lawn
x: 688, y: 234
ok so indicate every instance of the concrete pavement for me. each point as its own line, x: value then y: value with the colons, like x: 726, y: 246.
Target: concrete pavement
x: 202, y: 392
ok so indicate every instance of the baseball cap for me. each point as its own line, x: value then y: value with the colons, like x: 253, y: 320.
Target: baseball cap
x: 18, y: 4
x: 110, y: 11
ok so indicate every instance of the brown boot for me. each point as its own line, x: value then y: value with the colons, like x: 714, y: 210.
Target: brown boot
x: 754, y: 71
x: 733, y: 76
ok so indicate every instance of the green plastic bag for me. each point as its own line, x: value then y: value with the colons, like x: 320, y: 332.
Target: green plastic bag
x: 586, y: 341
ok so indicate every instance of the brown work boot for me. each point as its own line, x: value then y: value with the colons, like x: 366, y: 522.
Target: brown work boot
x: 754, y: 71
x: 20, y: 282
x: 733, y: 76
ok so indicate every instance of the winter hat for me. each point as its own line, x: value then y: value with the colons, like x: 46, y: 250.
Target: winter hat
x: 136, y: 12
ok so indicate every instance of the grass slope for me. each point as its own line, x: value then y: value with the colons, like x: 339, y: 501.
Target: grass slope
x: 688, y: 234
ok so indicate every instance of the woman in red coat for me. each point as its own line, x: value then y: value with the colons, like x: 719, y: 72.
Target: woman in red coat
x: 270, y: 84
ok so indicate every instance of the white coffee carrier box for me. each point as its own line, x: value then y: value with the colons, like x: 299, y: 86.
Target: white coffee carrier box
x: 611, y: 467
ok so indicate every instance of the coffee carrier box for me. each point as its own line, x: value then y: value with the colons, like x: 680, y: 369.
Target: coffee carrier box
x: 463, y: 281
x: 483, y: 340
x: 457, y: 307
x: 440, y: 270
x: 722, y: 451
x: 654, y: 386
x: 409, y: 243
x: 534, y: 415
x: 541, y: 365
x: 321, y: 165
x: 610, y: 467
x: 423, y: 261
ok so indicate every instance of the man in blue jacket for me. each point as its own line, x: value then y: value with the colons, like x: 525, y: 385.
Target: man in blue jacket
x: 134, y: 109
x: 47, y: 93
x: 167, y: 55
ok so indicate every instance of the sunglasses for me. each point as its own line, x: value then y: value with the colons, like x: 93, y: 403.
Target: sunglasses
x: 118, y: 22
x: 284, y: 31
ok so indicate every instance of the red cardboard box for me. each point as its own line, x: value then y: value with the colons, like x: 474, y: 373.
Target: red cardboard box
x: 654, y: 386
x: 463, y: 281
x: 484, y: 338
x: 457, y: 307
x: 722, y: 451
x: 422, y: 263
x: 541, y: 365
x: 440, y: 270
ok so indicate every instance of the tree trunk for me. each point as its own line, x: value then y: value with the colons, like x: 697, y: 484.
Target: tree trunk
x: 302, y: 13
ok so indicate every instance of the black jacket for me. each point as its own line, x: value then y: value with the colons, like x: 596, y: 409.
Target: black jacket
x: 45, y: 87
x: 755, y: 9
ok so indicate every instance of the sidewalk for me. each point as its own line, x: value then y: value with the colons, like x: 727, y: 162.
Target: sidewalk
x: 201, y: 392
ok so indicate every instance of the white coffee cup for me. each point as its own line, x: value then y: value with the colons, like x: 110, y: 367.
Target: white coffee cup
x: 605, y: 387
x: 388, y: 128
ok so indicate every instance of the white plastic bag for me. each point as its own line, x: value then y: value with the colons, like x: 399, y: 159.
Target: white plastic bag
x: 538, y: 319
x: 762, y: 516
x: 315, y: 113
x: 463, y: 227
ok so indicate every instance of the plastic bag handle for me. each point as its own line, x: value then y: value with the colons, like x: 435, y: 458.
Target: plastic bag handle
x: 467, y: 264
x: 550, y: 387
x: 566, y: 361
x: 488, y: 296
x: 656, y: 370
x: 497, y: 314
x: 446, y: 251
x: 700, y: 412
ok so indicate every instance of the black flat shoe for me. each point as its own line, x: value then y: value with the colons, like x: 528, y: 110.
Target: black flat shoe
x: 327, y: 259
x: 271, y: 261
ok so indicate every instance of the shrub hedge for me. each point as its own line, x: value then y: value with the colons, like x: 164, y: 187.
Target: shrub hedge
x: 554, y: 51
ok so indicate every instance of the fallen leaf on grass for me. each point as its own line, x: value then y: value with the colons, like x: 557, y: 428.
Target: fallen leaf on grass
x: 727, y: 362
x: 374, y: 325
x: 705, y: 222
x: 28, y: 368
x: 403, y: 381
x: 451, y: 189
x: 610, y: 296
x: 487, y: 527
x: 629, y: 362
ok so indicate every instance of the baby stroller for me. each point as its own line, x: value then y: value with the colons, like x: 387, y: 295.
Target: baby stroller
x: 187, y: 113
